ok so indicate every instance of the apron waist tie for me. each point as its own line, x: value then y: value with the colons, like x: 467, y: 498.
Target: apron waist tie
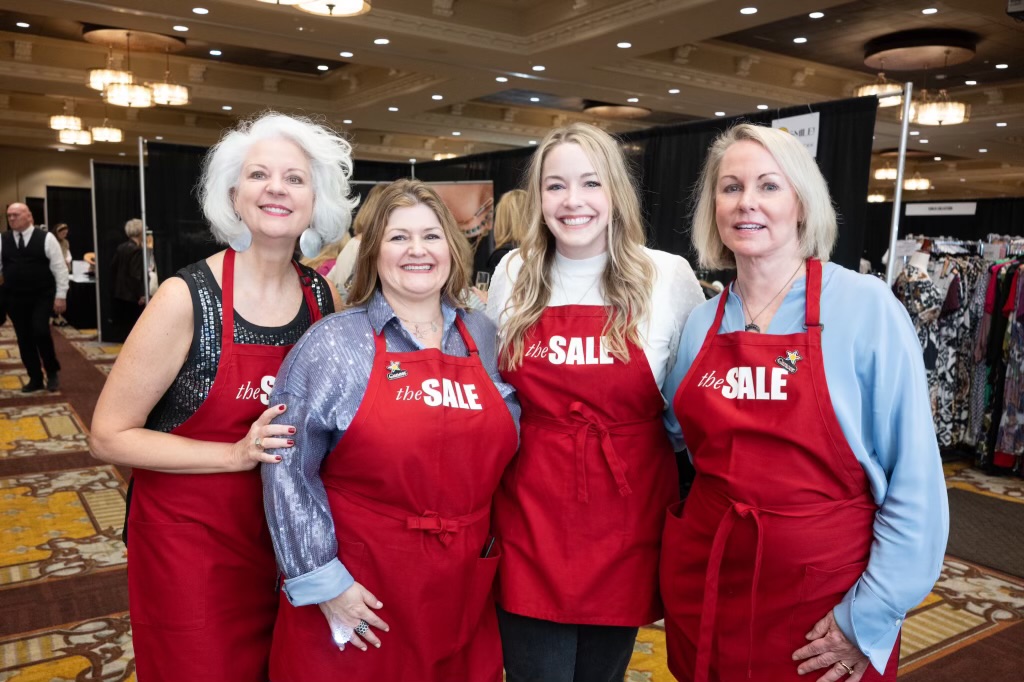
x: 428, y: 522
x: 709, y: 610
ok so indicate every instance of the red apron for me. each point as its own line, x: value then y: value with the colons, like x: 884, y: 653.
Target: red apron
x: 201, y: 568
x: 579, y: 510
x: 410, y: 485
x: 778, y: 523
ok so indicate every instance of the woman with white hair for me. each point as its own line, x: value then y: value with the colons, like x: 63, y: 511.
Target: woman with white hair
x: 187, y: 402
x: 818, y: 515
x: 127, y: 281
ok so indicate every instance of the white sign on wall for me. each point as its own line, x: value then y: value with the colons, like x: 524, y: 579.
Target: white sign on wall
x: 803, y: 127
x: 946, y: 208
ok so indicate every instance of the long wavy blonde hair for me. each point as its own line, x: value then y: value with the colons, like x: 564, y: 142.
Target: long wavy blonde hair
x: 628, y: 276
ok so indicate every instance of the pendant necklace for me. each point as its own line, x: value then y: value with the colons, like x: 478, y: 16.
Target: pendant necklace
x: 565, y: 292
x: 421, y: 330
x: 752, y: 325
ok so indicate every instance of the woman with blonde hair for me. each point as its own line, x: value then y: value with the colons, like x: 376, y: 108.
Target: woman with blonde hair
x: 818, y: 515
x: 589, y: 323
x: 508, y: 226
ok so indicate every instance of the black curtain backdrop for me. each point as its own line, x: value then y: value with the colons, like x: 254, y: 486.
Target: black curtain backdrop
x: 118, y: 200
x: 999, y: 216
x: 667, y: 162
x: 71, y: 205
x: 180, y: 233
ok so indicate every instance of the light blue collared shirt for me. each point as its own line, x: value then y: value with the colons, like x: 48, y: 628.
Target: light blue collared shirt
x: 876, y: 379
x: 322, y: 382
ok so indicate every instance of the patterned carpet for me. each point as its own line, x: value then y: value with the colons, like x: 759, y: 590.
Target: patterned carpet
x: 63, y: 596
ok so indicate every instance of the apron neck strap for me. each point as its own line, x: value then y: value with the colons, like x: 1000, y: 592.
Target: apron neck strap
x: 813, y: 293
x: 227, y: 288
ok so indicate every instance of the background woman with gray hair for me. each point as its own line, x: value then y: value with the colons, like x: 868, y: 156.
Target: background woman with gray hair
x: 187, y: 402
x: 128, y: 283
x: 818, y: 515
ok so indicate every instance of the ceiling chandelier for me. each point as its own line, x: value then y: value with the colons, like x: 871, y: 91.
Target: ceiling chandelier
x: 79, y: 137
x: 328, y: 8
x: 938, y: 111
x: 885, y: 173
x: 106, y: 133
x: 101, y: 78
x: 167, y: 92
x: 876, y: 198
x: 917, y: 183
x: 67, y: 120
x: 889, y: 94
x: 128, y: 94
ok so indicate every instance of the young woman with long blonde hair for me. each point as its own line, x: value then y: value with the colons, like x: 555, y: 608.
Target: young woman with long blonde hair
x: 590, y: 321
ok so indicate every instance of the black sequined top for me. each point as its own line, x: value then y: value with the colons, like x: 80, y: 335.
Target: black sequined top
x: 189, y: 389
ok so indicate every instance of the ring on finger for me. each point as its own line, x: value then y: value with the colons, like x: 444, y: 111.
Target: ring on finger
x: 259, y: 442
x: 846, y: 668
x: 362, y: 628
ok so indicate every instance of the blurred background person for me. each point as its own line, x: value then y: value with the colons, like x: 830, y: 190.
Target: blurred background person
x: 187, y: 403
x: 60, y: 231
x: 341, y: 274
x: 380, y: 513
x: 128, y: 280
x: 818, y: 515
x: 509, y: 221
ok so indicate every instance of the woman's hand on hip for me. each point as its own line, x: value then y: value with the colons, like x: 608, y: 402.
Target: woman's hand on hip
x: 830, y: 650
x: 350, y: 616
x: 251, y: 450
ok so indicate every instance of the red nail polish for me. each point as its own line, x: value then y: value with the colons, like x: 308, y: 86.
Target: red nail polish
x: 280, y: 408
x: 291, y: 443
x: 277, y: 458
x: 291, y: 429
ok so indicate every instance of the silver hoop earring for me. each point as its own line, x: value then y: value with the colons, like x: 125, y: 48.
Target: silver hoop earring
x: 310, y: 243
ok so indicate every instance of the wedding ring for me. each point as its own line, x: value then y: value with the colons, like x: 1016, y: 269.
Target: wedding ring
x: 259, y: 442
x: 849, y: 670
x: 362, y: 628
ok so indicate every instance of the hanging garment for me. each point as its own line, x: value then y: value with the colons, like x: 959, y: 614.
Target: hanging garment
x: 410, y: 486
x: 1010, y: 442
x: 201, y: 566
x: 580, y: 509
x: 753, y: 561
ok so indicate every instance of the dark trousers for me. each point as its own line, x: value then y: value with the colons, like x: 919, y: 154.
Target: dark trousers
x: 30, y: 316
x: 543, y: 651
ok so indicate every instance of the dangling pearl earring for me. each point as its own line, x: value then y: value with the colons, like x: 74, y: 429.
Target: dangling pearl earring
x: 310, y: 242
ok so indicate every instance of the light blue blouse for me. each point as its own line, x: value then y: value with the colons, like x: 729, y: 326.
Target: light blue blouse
x: 876, y: 378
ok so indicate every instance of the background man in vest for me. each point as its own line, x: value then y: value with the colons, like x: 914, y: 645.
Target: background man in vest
x: 35, y: 282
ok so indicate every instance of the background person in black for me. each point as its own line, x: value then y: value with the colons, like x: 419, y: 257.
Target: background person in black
x: 128, y: 282
x: 35, y: 284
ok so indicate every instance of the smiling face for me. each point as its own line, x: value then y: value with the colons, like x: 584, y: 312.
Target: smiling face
x: 274, y: 195
x: 414, y: 259
x: 574, y: 203
x: 756, y: 206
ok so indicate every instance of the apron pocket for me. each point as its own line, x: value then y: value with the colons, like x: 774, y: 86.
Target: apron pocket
x: 820, y: 591
x: 168, y: 566
x: 479, y: 592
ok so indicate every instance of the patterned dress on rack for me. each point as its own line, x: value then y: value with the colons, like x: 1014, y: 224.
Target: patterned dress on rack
x: 1011, y: 425
x: 923, y: 301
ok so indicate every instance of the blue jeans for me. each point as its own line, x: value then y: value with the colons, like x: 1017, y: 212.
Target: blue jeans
x: 544, y: 651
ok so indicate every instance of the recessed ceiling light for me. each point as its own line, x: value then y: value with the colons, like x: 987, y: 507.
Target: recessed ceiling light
x: 633, y: 100
x: 347, y: 121
x: 719, y: 113
x: 322, y: 67
x: 22, y: 24
x: 923, y: 141
x: 1002, y: 66
x: 381, y: 41
x: 61, y: 149
x: 982, y: 150
x: 346, y: 54
x: 970, y: 82
x: 1001, y: 124
x: 501, y: 79
x: 963, y: 179
x: 674, y: 91
x: 215, y: 53
x: 624, y: 45
x: 200, y: 10
x: 159, y: 137
x: 392, y: 108
x: 816, y: 15
x: 915, y: 132
x: 412, y: 160
x: 535, y: 99
x: 119, y: 153
x: 538, y: 67
x: 180, y: 28
x: 930, y: 10
x: 533, y: 142
x: 748, y: 10
x: 800, y: 41
x: 762, y: 107
x: 937, y: 158
x: 227, y: 107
